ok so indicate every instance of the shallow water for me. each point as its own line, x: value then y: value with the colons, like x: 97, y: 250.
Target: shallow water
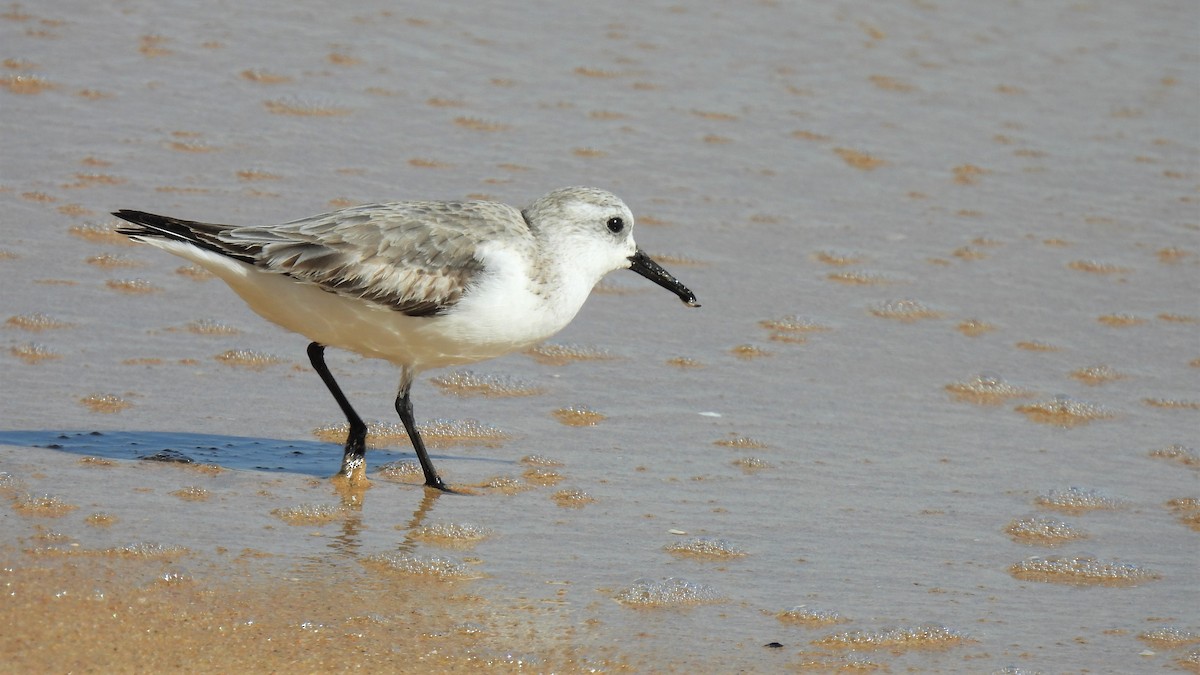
x: 875, y: 205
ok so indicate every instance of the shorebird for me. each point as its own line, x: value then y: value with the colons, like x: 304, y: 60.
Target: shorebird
x: 422, y: 284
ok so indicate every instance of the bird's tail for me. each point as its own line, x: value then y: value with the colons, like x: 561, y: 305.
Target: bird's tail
x: 152, y: 225
x: 204, y: 235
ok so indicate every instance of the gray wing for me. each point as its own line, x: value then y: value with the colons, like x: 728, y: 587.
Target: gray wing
x: 414, y: 257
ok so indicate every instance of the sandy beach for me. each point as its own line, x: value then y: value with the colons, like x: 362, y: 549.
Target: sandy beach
x: 939, y: 411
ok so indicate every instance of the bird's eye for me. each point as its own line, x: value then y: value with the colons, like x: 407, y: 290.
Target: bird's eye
x: 615, y: 225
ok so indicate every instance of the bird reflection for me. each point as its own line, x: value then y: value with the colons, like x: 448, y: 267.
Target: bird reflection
x: 348, y: 541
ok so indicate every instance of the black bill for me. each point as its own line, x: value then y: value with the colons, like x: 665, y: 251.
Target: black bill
x: 642, y: 264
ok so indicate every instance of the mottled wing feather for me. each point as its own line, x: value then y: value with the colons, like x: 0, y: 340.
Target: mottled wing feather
x: 414, y: 257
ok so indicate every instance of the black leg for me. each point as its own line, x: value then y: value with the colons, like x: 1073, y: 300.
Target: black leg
x: 355, y: 456
x: 404, y: 409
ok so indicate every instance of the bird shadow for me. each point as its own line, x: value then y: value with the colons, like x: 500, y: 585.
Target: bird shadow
x: 311, y: 458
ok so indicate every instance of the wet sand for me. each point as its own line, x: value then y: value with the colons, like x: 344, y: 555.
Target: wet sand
x: 938, y: 412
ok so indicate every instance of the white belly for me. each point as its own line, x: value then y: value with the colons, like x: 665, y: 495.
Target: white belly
x: 499, y: 316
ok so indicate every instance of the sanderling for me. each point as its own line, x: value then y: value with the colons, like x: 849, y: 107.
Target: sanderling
x: 422, y: 284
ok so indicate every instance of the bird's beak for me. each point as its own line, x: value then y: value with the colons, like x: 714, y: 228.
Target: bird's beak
x: 642, y: 264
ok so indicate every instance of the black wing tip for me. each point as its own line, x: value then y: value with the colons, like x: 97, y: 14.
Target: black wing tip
x: 153, y: 224
x: 141, y: 217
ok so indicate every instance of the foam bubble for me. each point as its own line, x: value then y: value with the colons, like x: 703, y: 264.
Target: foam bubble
x: 1065, y: 411
x: 1081, y: 570
x: 133, y: 286
x: 1188, y: 511
x: 33, y: 352
x: 839, y: 257
x: 403, y: 470
x: 36, y: 322
x: 752, y: 464
x: 101, y: 519
x: 148, y: 550
x: 1037, y: 346
x: 919, y: 637
x: 1120, y: 320
x: 248, y: 358
x: 985, y: 389
x: 9, y: 482
x: 860, y: 278
x: 1095, y: 375
x: 804, y: 615
x: 505, y: 484
x: 1172, y: 403
x: 436, y: 433
x: 1178, y: 453
x: 541, y: 476
x: 539, y: 460
x: 561, y: 354
x: 194, y: 272
x: 574, y: 499
x: 305, y: 107
x: 112, y: 261
x: 740, y: 442
x: 310, y: 514
x: 440, y: 431
x: 703, y: 547
x: 749, y: 352
x: 407, y: 564
x: 578, y: 416
x: 143, y: 550
x: 1170, y: 637
x: 468, y: 383
x: 97, y: 461
x: 192, y: 493
x: 669, y: 592
x: 1043, y: 530
x: 454, y: 535
x: 975, y: 327
x: 1098, y: 267
x: 211, y: 327
x: 1076, y: 499
x: 847, y: 663
x: 105, y: 403
x: 904, y: 310
x: 44, y: 505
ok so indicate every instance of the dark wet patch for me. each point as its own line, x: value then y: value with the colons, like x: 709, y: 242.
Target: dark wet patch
x: 232, y: 452
x: 314, y: 458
